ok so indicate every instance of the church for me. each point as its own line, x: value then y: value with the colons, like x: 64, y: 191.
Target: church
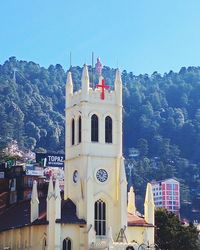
x: 96, y: 212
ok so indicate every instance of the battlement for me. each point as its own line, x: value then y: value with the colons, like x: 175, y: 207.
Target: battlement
x: 94, y: 97
x: 101, y: 94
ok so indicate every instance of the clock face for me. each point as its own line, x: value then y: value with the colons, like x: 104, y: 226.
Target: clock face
x: 102, y: 175
x: 75, y: 176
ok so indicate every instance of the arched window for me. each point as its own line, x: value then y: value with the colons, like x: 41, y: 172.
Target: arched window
x: 100, y: 217
x: 94, y: 128
x: 79, y: 129
x: 67, y: 245
x: 73, y: 132
x: 44, y: 244
x: 108, y: 130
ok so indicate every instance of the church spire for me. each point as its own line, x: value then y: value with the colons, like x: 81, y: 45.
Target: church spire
x: 34, y: 202
x: 149, y: 205
x: 85, y: 83
x: 131, y: 201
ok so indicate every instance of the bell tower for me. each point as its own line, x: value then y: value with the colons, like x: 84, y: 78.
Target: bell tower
x: 95, y: 177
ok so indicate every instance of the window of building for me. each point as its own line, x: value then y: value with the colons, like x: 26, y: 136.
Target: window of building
x: 79, y: 129
x: 100, y: 217
x: 67, y: 245
x: 44, y: 244
x: 108, y: 130
x: 73, y: 132
x: 94, y: 128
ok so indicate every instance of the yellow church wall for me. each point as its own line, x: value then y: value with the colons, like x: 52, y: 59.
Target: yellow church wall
x: 86, y: 147
x: 23, y: 238
x: 135, y: 234
x: 2, y: 239
x: 140, y: 234
x: 38, y: 234
x: 99, y: 190
x: 73, y: 233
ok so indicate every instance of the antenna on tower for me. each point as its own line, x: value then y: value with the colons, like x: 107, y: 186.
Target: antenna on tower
x: 70, y: 59
x: 117, y: 64
x: 93, y: 70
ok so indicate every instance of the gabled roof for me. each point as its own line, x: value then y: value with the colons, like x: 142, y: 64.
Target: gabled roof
x: 18, y: 215
x: 137, y: 221
x: 68, y: 213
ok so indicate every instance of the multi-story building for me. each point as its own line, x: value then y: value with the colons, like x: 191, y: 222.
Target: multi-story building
x: 16, y: 184
x: 167, y: 194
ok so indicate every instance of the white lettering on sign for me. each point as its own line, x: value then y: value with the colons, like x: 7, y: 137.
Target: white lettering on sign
x: 52, y: 158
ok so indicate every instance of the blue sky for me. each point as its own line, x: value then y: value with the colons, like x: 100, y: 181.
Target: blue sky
x: 142, y: 36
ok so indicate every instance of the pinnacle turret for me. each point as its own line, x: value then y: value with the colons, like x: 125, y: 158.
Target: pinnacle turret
x: 149, y: 195
x: 34, y: 203
x: 68, y: 88
x: 69, y: 83
x: 50, y: 189
x: 131, y: 201
x: 57, y: 200
x: 118, y: 86
x: 85, y: 83
x: 118, y: 79
x: 149, y: 205
x: 57, y: 190
x: 34, y: 195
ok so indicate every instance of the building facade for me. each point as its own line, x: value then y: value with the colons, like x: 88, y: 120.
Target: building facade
x: 167, y: 195
x: 93, y: 213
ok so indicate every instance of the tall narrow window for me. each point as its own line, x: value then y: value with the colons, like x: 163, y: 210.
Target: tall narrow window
x: 73, y: 132
x: 79, y: 129
x: 67, y: 245
x: 108, y: 130
x: 94, y: 128
x: 44, y: 244
x: 100, y: 217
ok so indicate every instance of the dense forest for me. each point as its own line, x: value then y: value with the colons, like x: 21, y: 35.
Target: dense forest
x: 161, y: 120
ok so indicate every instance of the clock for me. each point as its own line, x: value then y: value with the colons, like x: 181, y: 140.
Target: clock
x: 101, y: 175
x: 75, y: 176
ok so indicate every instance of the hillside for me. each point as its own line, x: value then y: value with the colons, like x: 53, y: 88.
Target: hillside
x: 161, y: 120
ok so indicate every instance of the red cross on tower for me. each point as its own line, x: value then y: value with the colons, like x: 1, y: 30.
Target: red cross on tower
x: 103, y: 87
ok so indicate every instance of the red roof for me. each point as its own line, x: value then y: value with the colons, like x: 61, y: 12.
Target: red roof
x: 137, y: 221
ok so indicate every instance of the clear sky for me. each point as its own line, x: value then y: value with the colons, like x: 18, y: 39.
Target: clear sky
x: 142, y: 36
